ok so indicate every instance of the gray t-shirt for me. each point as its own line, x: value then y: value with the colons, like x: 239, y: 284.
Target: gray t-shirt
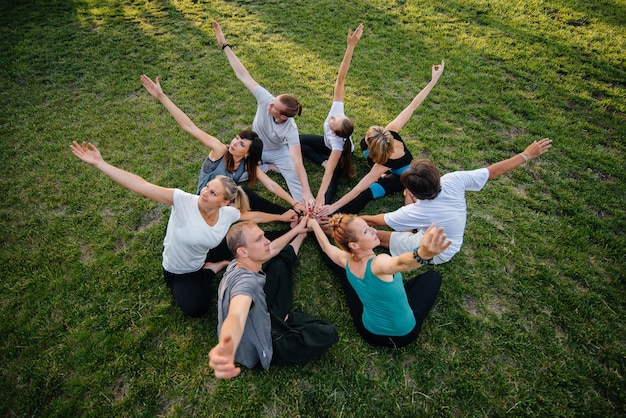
x: 256, y: 341
x: 274, y: 135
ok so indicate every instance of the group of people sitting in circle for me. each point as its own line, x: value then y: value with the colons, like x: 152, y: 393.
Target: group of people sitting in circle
x: 217, y: 228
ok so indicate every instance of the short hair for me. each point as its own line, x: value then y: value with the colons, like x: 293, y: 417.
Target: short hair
x: 379, y: 144
x: 422, y: 179
x: 341, y: 231
x: 294, y: 108
x: 235, y: 237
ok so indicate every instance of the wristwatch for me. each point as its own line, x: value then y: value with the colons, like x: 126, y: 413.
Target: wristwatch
x: 420, y: 259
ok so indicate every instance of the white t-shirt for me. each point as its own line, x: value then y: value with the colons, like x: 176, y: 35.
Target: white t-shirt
x: 447, y: 210
x: 274, y: 135
x: 332, y: 141
x: 188, y: 237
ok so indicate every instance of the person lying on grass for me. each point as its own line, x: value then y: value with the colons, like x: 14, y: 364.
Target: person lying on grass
x: 432, y: 198
x: 197, y: 223
x: 385, y: 311
x: 256, y: 327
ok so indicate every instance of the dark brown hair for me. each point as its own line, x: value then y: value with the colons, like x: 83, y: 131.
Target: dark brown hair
x: 294, y: 108
x: 422, y: 179
x: 253, y: 158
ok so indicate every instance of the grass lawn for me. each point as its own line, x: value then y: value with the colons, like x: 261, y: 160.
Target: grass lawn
x: 530, y: 320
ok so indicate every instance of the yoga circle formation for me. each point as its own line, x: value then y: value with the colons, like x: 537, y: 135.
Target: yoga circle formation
x: 217, y: 228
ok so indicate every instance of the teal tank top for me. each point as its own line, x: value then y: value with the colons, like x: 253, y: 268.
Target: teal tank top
x: 386, y: 309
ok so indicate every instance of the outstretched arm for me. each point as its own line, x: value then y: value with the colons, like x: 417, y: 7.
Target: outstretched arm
x: 218, y: 149
x: 374, y: 174
x: 91, y: 155
x: 281, y: 242
x: 338, y: 256
x: 374, y: 220
x: 434, y: 242
x: 275, y: 188
x: 264, y: 218
x: 534, y: 150
x: 401, y: 120
x: 240, y: 71
x: 296, y: 155
x: 353, y: 38
x: 329, y: 170
x: 222, y: 356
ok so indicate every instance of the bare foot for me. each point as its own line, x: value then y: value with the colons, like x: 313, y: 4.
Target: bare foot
x: 216, y: 267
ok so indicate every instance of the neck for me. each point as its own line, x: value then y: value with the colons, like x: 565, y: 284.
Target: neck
x: 209, y: 214
x: 363, y: 255
x: 248, y: 264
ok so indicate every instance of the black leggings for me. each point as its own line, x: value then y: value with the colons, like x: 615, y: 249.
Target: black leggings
x: 384, y: 186
x: 314, y: 148
x: 421, y: 291
x: 192, y: 291
x: 261, y: 204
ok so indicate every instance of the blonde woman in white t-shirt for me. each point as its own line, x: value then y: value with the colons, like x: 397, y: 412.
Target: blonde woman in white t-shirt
x: 197, y: 224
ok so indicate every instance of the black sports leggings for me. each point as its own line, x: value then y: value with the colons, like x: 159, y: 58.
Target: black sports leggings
x: 192, y: 291
x: 314, y: 149
x: 384, y: 186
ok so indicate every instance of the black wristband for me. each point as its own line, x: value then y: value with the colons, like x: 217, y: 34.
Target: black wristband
x: 224, y: 45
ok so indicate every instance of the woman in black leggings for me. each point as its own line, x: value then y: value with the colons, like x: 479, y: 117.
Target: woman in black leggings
x: 385, y: 311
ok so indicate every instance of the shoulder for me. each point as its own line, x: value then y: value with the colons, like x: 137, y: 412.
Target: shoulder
x: 182, y: 197
x: 231, y: 213
x: 241, y: 281
x: 476, y: 175
x: 337, y: 108
x: 396, y: 136
x: 262, y: 94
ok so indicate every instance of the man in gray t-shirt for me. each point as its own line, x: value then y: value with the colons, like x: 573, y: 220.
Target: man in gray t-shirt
x: 254, y: 302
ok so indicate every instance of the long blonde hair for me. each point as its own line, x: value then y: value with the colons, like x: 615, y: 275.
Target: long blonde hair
x: 379, y: 144
x: 234, y: 194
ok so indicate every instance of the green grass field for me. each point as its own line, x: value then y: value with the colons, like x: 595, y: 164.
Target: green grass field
x: 530, y: 320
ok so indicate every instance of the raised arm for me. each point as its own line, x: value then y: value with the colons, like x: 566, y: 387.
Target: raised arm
x: 534, y: 150
x: 401, y: 120
x: 240, y: 71
x: 353, y: 39
x: 375, y: 172
x: 222, y: 356
x: 337, y: 255
x: 218, y: 149
x: 91, y: 155
x: 434, y: 242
